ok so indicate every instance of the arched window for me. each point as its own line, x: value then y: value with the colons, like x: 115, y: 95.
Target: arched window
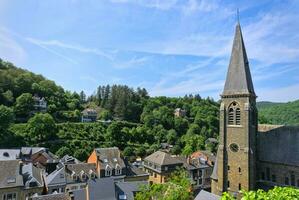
x: 234, y: 114
x: 117, y: 170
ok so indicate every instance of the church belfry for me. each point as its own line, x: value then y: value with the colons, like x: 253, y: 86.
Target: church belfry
x: 235, y: 166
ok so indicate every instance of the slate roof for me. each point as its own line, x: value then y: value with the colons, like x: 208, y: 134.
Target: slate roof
x: 238, y: 79
x: 110, y: 156
x: 85, y: 167
x: 129, y: 188
x: 102, y: 188
x: 69, y: 160
x: 162, y: 158
x: 57, y: 177
x: 57, y: 196
x: 204, y: 195
x: 9, y: 154
x: 279, y: 145
x: 10, y: 175
x: 32, y: 175
x: 31, y: 150
x: 80, y: 194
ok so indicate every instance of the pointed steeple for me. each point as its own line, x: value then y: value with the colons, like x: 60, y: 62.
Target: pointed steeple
x: 238, y: 79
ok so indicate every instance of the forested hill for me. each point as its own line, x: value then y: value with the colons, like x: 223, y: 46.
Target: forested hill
x: 139, y: 123
x: 279, y: 113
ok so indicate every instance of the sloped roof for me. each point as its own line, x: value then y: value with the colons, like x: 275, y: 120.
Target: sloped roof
x: 238, y: 79
x: 279, y: 145
x: 129, y: 188
x: 9, y: 154
x: 162, y: 158
x: 55, y: 196
x: 102, y: 188
x: 110, y: 156
x: 204, y: 195
x: 32, y: 174
x: 85, y: 167
x: 10, y: 175
x: 57, y: 177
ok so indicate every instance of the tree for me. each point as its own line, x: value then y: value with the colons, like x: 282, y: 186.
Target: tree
x: 6, y: 118
x: 41, y: 127
x: 285, y: 193
x: 178, y: 187
x: 24, y: 105
x: 128, y: 151
x: 82, y: 97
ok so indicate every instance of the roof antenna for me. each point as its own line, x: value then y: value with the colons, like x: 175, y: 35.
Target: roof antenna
x: 238, y: 16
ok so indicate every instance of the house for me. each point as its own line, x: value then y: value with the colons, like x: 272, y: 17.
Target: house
x: 109, y: 162
x: 19, y: 181
x: 89, y: 115
x: 40, y: 157
x: 40, y: 104
x: 70, y: 177
x: 160, y: 165
x: 179, y: 112
x: 54, y: 196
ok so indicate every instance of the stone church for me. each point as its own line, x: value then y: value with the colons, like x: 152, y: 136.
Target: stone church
x: 250, y: 156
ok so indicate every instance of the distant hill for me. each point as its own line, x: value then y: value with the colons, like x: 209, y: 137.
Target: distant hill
x: 279, y: 113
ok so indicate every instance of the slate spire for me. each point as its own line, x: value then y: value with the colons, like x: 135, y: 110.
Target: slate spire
x: 238, y: 79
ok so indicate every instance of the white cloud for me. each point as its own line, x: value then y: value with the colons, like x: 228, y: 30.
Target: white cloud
x: 10, y: 49
x: 60, y: 44
x: 282, y: 94
x: 131, y: 63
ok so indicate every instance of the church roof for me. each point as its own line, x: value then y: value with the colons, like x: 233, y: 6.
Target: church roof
x: 238, y: 79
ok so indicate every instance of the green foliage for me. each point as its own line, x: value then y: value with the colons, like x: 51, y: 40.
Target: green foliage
x: 24, y: 105
x: 177, y: 187
x: 6, y: 118
x: 284, y: 193
x: 279, y: 113
x: 41, y: 127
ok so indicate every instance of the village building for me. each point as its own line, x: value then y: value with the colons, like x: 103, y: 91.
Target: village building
x: 19, y: 181
x: 40, y: 104
x: 179, y: 112
x: 250, y: 156
x: 89, y: 115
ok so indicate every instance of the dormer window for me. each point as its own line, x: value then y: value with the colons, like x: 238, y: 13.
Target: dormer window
x: 234, y: 114
x: 108, y: 171
x: 117, y: 170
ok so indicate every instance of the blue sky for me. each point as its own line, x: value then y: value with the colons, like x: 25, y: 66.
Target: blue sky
x: 170, y: 47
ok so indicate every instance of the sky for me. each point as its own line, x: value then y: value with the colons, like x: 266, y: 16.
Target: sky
x: 169, y: 47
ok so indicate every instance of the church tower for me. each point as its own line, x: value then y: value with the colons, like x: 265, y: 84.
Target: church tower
x: 235, y: 166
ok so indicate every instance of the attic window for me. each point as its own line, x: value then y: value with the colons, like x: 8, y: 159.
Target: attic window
x: 6, y: 154
x: 105, y: 160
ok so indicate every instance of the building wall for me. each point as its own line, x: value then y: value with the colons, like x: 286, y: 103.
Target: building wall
x: 93, y: 159
x: 272, y: 174
x: 156, y: 177
x: 21, y: 193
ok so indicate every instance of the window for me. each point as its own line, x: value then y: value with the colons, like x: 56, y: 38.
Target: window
x: 293, y: 180
x: 228, y: 184
x: 234, y: 114
x: 231, y: 116
x: 297, y: 182
x: 239, y: 169
x: 228, y: 167
x: 286, y: 181
x: 155, y: 175
x: 268, y: 173
x: 10, y: 196
x: 240, y: 187
x: 117, y: 170
x: 199, y: 181
x: 238, y: 116
x: 263, y: 175
x: 108, y: 171
x: 234, y: 147
x: 273, y: 178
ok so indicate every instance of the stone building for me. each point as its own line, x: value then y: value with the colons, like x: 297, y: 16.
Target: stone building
x: 250, y: 156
